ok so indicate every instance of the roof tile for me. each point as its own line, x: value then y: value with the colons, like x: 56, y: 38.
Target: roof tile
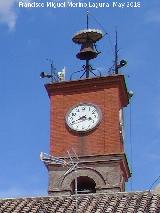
x: 141, y: 202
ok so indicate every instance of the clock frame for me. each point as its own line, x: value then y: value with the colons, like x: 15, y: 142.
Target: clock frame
x: 92, y: 119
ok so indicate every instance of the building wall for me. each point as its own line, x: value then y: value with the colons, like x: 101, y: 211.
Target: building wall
x: 104, y: 139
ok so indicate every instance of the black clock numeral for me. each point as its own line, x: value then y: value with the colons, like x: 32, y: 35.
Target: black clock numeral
x: 73, y: 114
x: 77, y: 110
x: 93, y: 112
x: 83, y: 108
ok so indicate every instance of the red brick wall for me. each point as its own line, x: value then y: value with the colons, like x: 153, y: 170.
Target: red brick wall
x: 105, y: 139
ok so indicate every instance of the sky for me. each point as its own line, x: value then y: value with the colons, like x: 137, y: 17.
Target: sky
x: 28, y: 36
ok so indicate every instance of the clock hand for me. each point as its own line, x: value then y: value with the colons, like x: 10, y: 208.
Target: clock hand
x: 83, y: 118
x: 77, y: 122
x: 88, y: 119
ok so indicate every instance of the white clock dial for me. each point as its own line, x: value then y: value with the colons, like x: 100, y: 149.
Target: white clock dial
x: 83, y: 117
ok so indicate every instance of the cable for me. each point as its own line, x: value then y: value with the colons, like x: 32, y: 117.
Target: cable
x: 154, y: 183
x: 131, y: 145
x: 105, y: 32
x: 98, y: 22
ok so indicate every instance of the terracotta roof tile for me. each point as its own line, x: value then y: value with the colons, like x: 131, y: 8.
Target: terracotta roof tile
x: 136, y: 202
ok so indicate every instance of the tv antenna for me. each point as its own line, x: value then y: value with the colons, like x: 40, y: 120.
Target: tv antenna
x: 87, y: 38
x: 53, y: 74
x: 72, y: 164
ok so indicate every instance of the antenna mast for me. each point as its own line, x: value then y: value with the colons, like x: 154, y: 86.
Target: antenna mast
x: 116, y: 54
x: 117, y: 64
x: 87, y: 20
x: 87, y: 60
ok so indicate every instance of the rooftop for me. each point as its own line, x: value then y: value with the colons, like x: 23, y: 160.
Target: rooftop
x: 130, y: 202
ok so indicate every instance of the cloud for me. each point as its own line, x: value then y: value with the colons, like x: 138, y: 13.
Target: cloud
x: 8, y: 13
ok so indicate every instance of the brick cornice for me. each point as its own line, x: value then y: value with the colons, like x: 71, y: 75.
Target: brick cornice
x: 90, y: 84
x: 99, y: 159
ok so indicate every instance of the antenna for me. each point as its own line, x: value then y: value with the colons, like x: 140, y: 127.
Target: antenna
x: 123, y: 62
x: 73, y: 163
x: 87, y: 19
x: 116, y: 54
x: 61, y: 74
x: 55, y: 77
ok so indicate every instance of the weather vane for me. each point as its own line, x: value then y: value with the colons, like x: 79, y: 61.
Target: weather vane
x: 87, y: 39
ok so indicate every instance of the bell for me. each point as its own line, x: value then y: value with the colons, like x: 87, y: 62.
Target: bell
x: 87, y: 51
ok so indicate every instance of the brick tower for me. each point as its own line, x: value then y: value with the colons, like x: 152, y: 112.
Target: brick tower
x: 87, y: 117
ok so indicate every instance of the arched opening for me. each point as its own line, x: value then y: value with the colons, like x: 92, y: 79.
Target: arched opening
x: 85, y: 185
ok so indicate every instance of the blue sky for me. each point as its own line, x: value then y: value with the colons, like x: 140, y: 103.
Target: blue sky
x: 29, y: 36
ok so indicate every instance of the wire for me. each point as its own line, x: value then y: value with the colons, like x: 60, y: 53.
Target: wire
x: 105, y: 33
x: 98, y: 22
x: 154, y: 183
x: 131, y: 145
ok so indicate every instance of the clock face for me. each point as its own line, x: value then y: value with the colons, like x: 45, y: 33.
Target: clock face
x: 83, y: 117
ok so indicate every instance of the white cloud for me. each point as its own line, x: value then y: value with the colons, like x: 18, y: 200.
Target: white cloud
x: 8, y: 13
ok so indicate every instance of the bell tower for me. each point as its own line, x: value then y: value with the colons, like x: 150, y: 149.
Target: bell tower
x: 87, y: 118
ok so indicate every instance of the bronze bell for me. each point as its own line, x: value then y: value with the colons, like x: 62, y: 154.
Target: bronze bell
x: 87, y: 51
